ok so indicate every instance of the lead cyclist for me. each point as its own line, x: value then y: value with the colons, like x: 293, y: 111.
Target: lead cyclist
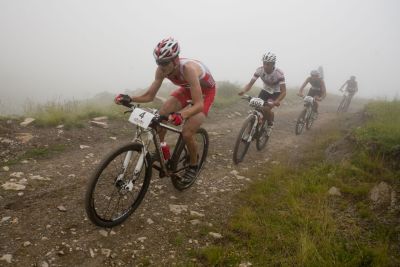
x: 195, y: 83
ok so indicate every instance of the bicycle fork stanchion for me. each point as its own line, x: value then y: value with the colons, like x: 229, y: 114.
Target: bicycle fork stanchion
x: 253, y: 129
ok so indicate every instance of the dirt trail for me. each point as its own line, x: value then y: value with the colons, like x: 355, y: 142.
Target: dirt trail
x: 37, y: 232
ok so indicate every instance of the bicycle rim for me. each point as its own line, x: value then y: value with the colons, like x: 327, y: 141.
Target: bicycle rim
x: 181, y: 159
x: 242, y: 145
x: 310, y: 120
x: 108, y: 201
x: 300, y: 122
x: 262, y: 138
x: 340, y: 108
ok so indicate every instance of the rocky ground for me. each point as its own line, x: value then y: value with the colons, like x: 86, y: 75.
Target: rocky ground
x: 42, y: 216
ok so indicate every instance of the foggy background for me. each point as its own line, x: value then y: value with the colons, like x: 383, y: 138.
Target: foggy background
x: 76, y: 49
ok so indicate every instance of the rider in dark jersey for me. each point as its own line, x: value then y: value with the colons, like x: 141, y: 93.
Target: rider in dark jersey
x: 351, y: 86
x: 317, y: 90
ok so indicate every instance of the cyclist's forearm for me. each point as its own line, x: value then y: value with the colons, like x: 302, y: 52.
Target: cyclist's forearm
x: 247, y: 88
x: 143, y: 98
x: 283, y: 92
x: 303, y: 86
x: 282, y: 96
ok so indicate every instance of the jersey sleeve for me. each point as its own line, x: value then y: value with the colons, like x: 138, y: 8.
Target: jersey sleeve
x: 281, y: 76
x: 258, y: 73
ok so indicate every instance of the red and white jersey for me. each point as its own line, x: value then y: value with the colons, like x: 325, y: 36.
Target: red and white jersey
x: 271, y: 81
x: 206, y: 79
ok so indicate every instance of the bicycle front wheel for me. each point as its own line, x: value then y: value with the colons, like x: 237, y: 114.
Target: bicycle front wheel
x: 341, y: 105
x: 118, y: 185
x: 310, y: 119
x: 300, y: 122
x: 262, y: 137
x: 347, y: 104
x: 242, y: 141
x: 181, y: 159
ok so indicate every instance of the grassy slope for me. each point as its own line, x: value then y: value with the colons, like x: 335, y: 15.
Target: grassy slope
x: 289, y: 219
x: 76, y: 113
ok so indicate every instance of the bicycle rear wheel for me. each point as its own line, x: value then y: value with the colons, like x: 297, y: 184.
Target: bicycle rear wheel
x: 262, y: 138
x: 301, y: 120
x: 181, y: 159
x: 242, y: 144
x: 114, y: 191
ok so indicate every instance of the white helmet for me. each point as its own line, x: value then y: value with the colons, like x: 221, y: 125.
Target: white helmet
x: 314, y: 73
x: 269, y: 57
x: 166, y: 49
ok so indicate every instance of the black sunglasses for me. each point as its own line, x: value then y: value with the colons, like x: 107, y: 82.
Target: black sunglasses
x: 163, y: 63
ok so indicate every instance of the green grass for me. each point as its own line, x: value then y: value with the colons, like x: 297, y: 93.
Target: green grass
x: 37, y: 153
x: 383, y: 126
x: 289, y: 219
x: 71, y: 113
x: 227, y: 94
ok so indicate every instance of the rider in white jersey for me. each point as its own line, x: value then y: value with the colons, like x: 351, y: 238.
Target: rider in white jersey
x: 274, y: 89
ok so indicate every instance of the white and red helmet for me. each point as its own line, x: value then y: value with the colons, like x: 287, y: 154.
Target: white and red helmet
x: 166, y: 49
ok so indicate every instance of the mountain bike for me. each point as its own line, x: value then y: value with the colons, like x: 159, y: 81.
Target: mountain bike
x: 252, y: 128
x: 121, y: 180
x: 307, y: 115
x: 345, y: 103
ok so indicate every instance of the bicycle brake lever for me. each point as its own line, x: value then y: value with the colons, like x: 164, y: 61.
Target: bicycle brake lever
x: 161, y: 118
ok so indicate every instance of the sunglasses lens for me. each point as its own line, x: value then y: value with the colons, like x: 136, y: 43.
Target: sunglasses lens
x: 163, y: 63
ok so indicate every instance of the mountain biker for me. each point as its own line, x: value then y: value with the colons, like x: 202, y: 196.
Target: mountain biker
x: 317, y: 90
x: 351, y: 87
x: 195, y: 83
x: 274, y: 89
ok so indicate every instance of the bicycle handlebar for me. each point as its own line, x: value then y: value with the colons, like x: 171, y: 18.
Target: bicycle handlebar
x: 249, y: 97
x: 158, y: 118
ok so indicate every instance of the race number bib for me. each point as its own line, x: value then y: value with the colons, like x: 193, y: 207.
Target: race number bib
x: 141, y: 117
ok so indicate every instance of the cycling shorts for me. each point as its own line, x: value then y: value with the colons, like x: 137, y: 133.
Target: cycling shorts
x: 183, y: 95
x: 264, y: 95
x: 314, y: 92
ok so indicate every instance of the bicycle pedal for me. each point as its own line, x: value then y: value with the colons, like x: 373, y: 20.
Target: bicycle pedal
x: 162, y: 174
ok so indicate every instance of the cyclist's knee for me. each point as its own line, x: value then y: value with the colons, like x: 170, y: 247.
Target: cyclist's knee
x: 187, y: 134
x: 171, y: 105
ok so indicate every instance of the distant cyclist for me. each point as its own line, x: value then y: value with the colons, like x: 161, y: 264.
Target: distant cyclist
x: 317, y: 90
x: 195, y: 83
x: 274, y: 89
x: 351, y: 87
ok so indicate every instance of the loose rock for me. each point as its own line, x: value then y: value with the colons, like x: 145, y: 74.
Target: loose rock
x: 13, y: 186
x: 215, y: 235
x: 334, y: 191
x: 7, y: 258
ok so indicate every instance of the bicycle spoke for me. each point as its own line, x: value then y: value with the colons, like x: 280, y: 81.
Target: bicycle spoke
x: 112, y: 198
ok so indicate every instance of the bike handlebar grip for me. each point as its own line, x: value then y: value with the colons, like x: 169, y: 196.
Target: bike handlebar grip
x: 128, y: 105
x: 161, y: 118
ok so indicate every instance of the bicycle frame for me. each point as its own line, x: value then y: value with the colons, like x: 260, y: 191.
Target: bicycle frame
x: 258, y: 115
x: 151, y: 135
x: 308, y: 104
